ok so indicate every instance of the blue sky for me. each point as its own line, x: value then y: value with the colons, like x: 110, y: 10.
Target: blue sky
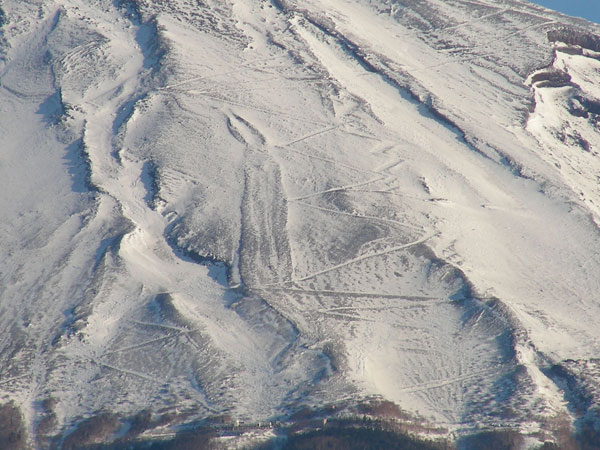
x: 589, y: 9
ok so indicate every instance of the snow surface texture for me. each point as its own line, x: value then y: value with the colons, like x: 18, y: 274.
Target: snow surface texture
x: 247, y: 206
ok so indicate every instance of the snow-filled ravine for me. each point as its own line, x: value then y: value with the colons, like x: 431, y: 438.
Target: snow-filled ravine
x: 249, y: 207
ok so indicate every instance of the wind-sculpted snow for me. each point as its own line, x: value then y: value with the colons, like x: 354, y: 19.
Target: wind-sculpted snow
x: 243, y: 208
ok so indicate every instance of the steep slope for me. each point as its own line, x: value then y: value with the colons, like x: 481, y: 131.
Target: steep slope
x: 242, y: 208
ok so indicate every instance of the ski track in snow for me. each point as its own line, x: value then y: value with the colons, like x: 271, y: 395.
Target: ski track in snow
x: 252, y: 207
x: 363, y: 257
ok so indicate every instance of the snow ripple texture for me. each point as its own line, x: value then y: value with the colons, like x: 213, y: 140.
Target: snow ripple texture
x: 248, y: 206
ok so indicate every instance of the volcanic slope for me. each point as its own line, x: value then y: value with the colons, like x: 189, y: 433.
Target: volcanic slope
x: 246, y: 207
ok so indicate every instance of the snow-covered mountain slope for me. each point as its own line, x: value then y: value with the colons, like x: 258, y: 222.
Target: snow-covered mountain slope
x: 245, y: 207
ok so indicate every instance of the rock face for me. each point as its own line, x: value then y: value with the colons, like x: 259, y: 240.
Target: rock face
x: 248, y: 208
x: 577, y: 37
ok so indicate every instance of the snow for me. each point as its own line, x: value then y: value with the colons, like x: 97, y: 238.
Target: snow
x: 253, y: 206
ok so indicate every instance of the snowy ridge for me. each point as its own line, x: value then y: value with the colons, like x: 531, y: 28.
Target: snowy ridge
x: 565, y: 120
x: 246, y: 207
